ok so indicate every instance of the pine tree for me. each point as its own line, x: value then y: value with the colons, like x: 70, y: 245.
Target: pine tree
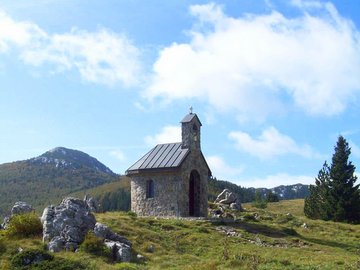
x: 344, y: 197
x: 316, y: 204
x: 271, y: 197
x: 259, y: 201
x: 335, y: 195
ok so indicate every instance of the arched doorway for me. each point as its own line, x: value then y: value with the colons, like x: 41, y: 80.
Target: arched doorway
x: 194, y: 194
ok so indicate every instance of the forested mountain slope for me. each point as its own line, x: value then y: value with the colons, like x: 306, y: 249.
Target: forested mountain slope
x: 48, y: 178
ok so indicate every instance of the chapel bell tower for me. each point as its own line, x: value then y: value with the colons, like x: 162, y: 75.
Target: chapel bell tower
x: 190, y: 131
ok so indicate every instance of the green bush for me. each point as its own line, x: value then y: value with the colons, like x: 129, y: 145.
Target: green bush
x: 95, y: 245
x: 59, y: 264
x: 29, y: 258
x: 24, y: 225
x: 37, y: 259
x: 259, y: 202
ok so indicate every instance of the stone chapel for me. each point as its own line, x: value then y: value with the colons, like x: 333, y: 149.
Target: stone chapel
x: 171, y: 179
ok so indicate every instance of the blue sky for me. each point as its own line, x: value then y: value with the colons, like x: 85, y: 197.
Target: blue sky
x: 273, y: 82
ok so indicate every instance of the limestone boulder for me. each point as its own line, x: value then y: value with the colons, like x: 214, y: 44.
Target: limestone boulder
x: 92, y: 204
x: 18, y: 209
x: 21, y: 208
x: 70, y: 221
x: 121, y: 252
x: 102, y: 231
x: 226, y: 197
x: 235, y: 206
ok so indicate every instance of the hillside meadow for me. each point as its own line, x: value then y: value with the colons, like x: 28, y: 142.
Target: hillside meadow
x: 273, y: 238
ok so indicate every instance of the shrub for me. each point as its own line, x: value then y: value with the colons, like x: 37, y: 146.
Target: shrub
x: 59, y: 264
x: 94, y: 245
x: 30, y: 260
x: 259, y: 201
x: 24, y: 225
x: 30, y: 257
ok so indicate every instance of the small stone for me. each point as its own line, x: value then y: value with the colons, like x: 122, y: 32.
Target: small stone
x: 140, y: 258
x: 151, y: 249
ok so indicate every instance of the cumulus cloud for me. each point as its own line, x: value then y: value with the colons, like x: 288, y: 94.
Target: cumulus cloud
x: 168, y: 134
x: 221, y: 170
x: 255, y: 64
x: 14, y: 33
x: 269, y: 144
x: 101, y: 57
x: 275, y: 180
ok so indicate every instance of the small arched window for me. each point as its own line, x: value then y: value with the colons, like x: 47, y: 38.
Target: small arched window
x: 195, y: 132
x: 150, y: 189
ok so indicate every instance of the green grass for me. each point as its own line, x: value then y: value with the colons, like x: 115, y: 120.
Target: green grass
x: 271, y: 238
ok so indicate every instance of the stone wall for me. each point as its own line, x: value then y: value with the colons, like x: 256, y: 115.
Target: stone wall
x: 164, y: 202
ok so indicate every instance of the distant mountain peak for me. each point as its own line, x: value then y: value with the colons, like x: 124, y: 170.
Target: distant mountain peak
x: 62, y: 157
x: 61, y: 150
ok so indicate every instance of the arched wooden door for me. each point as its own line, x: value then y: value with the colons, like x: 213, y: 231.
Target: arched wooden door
x: 194, y: 194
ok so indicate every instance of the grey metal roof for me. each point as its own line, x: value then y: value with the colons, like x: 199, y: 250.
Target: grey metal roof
x: 162, y: 156
x: 189, y: 117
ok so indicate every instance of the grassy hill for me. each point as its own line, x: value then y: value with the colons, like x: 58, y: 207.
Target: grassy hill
x: 273, y: 238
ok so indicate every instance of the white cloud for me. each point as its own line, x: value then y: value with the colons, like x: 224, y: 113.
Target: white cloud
x: 271, y: 181
x: 221, y: 170
x: 269, y: 144
x: 14, y: 33
x: 255, y: 63
x: 101, y: 57
x: 119, y: 155
x: 168, y: 134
